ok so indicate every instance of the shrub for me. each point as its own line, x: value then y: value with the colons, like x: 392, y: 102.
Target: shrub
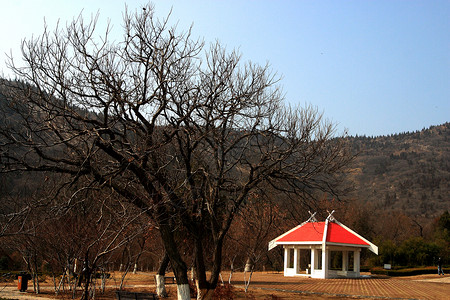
x: 223, y: 292
x: 4, y: 263
x: 406, y: 272
x: 413, y: 252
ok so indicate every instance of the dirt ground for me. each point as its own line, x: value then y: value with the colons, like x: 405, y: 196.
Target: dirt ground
x: 266, y: 285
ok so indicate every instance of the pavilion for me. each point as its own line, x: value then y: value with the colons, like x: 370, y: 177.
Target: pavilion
x: 322, y: 249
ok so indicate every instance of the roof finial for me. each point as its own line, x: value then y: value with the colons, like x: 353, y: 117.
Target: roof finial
x: 312, y: 218
x: 330, y: 216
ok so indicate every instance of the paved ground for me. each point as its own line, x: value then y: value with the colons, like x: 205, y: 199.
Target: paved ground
x: 415, y: 287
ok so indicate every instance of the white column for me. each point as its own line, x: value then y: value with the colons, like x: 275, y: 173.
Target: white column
x: 325, y: 262
x: 324, y: 249
x: 344, y: 260
x: 356, y: 261
x: 296, y: 260
x: 286, y: 260
x: 313, y: 261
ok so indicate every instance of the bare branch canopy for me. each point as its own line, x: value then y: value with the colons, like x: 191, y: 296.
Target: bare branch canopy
x: 182, y: 131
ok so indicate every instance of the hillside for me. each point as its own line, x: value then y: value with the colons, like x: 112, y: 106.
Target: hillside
x: 409, y: 172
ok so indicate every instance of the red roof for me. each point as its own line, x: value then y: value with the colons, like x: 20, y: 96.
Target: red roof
x: 309, y: 232
x: 338, y: 234
x: 313, y: 232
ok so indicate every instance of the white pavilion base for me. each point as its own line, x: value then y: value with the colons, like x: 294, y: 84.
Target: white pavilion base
x: 311, y: 261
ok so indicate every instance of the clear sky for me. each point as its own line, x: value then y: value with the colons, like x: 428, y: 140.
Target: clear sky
x: 372, y: 67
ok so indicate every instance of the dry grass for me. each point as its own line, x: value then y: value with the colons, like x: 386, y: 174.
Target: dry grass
x: 274, y: 286
x: 144, y: 282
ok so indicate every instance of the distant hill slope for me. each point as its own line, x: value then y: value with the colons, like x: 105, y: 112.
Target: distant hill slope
x: 408, y: 172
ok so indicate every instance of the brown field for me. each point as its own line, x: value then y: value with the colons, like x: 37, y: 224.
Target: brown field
x: 265, y: 285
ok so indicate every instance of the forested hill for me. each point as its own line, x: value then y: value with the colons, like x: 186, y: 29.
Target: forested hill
x: 409, y: 172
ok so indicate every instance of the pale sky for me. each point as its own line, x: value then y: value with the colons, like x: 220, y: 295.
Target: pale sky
x: 372, y: 67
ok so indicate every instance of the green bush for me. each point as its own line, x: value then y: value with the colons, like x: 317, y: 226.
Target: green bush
x: 413, y: 252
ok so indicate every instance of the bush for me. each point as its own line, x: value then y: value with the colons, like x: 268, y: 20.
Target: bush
x: 406, y: 272
x: 223, y: 292
x: 411, y: 253
x: 4, y: 263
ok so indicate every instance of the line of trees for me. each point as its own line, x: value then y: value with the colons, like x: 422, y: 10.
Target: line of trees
x: 414, y: 250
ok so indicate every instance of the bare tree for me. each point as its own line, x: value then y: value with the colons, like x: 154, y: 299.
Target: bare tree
x: 257, y: 221
x: 88, y: 227
x: 183, y: 133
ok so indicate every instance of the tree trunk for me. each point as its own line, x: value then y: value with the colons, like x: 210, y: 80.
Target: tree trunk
x: 36, y: 283
x: 103, y: 284
x: 217, y: 263
x: 200, y: 271
x: 125, y: 272
x: 231, y: 269
x: 54, y: 281
x: 85, y: 274
x: 247, y: 283
x: 94, y: 287
x: 205, y: 289
x: 141, y: 250
x: 87, y: 281
x: 159, y: 277
x: 178, y: 265
x: 74, y: 273
x: 160, y: 286
x: 183, y: 291
x: 35, y: 274
x: 248, y: 265
x: 61, y: 282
